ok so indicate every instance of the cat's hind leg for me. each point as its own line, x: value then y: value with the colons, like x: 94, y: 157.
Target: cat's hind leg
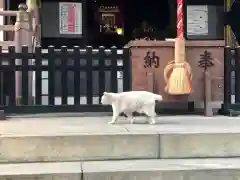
x: 149, y: 110
x: 130, y: 117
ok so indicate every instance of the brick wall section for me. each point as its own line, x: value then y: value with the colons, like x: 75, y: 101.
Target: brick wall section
x: 165, y: 51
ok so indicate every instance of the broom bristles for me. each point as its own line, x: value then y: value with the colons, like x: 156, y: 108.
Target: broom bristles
x: 179, y: 82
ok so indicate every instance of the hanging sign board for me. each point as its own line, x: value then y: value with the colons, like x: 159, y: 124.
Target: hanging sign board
x: 70, y: 18
x: 197, y: 20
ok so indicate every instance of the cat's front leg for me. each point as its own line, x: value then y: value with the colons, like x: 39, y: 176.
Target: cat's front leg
x: 114, y: 119
x: 153, y: 121
x: 115, y: 115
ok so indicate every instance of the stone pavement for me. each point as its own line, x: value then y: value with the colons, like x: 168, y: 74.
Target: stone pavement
x: 77, y: 147
x: 48, y: 124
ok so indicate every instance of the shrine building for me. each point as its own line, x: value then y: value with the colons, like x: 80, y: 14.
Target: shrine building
x: 116, y: 22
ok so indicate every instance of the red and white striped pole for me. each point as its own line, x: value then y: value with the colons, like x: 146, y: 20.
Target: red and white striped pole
x: 180, y: 19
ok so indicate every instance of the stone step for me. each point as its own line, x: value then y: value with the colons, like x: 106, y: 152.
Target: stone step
x: 178, y: 169
x: 71, y: 139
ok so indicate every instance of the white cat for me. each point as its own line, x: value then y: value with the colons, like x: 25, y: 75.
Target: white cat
x: 131, y: 101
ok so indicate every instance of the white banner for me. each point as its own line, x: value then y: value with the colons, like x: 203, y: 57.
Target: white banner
x: 70, y: 18
x: 197, y: 20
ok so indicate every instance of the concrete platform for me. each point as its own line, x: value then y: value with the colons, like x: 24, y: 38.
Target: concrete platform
x: 52, y: 139
x: 194, y: 169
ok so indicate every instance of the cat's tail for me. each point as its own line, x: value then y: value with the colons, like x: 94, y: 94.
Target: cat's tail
x: 158, y: 97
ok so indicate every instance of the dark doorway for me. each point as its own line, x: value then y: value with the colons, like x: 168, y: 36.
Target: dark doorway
x: 156, y: 13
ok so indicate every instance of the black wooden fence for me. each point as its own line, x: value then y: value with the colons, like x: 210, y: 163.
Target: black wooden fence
x: 77, y: 73
x: 231, y: 104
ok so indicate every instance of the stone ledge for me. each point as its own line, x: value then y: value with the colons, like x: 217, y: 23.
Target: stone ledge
x: 209, y: 145
x: 43, y: 171
x: 75, y: 139
x: 181, y: 169
x: 160, y: 165
x: 40, y: 168
x: 78, y: 147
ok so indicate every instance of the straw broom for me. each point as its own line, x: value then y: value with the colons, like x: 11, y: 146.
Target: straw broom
x: 177, y: 74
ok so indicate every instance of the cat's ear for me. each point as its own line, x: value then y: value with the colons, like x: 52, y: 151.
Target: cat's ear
x: 105, y: 93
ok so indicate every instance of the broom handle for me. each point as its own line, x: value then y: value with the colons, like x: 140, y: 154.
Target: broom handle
x: 208, y: 111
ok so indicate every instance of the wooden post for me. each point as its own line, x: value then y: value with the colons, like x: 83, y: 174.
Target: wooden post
x: 228, y: 34
x: 33, y: 9
x: 208, y: 110
x: 2, y: 114
x: 150, y: 80
x: 23, y: 37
